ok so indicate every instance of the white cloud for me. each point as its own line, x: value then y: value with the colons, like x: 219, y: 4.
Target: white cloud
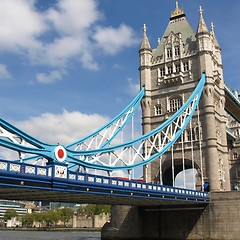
x: 65, y: 32
x: 73, y: 17
x: 63, y: 49
x: 87, y: 60
x: 112, y: 40
x: 20, y: 25
x: 63, y: 128
x: 133, y: 88
x: 4, y: 73
x: 49, y: 78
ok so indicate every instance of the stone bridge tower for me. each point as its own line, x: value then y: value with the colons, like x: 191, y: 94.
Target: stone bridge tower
x: 169, y: 74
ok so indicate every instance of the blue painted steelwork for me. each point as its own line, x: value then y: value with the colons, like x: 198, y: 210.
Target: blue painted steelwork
x: 15, y: 138
x: 131, y: 107
x: 56, y: 177
x: 38, y: 147
x: 47, y: 151
x: 187, y: 109
x: 44, y: 150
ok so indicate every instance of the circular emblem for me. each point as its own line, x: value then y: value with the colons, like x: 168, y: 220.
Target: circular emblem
x: 60, y: 153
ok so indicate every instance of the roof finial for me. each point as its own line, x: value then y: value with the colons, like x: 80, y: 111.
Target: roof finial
x: 200, y: 10
x: 212, y: 27
x: 177, y: 11
x: 144, y: 28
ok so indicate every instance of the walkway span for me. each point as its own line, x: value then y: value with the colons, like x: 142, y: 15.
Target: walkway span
x: 55, y: 183
x: 63, y: 174
x: 232, y: 104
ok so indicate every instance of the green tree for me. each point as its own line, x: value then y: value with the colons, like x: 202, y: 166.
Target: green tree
x: 51, y: 217
x: 103, y: 209
x: 38, y: 217
x: 94, y: 209
x: 9, y: 214
x: 90, y: 209
x: 65, y: 214
x: 28, y: 219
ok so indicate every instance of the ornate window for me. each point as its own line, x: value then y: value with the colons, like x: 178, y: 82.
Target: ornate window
x: 162, y: 72
x: 177, y: 51
x: 158, y: 109
x: 170, y: 69
x: 178, y: 68
x: 185, y: 66
x: 169, y: 52
x: 175, y: 104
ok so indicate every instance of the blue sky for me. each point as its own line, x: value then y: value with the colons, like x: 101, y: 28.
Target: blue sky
x: 68, y: 66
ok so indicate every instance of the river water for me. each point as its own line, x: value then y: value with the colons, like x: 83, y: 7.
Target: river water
x: 47, y: 235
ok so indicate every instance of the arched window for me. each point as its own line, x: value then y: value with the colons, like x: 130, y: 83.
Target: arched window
x: 169, y: 52
x: 185, y: 66
x: 158, y: 109
x: 177, y: 50
x: 170, y: 69
x: 175, y: 104
x: 178, y: 68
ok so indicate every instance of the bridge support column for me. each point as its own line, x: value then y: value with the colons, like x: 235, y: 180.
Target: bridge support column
x: 219, y: 220
x: 124, y: 224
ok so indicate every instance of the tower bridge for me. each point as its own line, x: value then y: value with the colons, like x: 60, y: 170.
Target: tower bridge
x: 60, y: 168
x: 209, y: 144
x: 190, y: 120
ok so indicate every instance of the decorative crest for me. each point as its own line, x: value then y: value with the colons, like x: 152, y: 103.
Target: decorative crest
x: 177, y: 11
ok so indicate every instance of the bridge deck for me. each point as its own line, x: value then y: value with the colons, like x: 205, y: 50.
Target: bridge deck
x: 20, y: 181
x: 232, y: 104
x: 83, y: 198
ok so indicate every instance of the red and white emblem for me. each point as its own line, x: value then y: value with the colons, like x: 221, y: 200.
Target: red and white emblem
x: 60, y: 153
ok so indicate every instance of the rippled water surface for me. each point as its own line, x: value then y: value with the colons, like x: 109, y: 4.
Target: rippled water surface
x: 46, y: 235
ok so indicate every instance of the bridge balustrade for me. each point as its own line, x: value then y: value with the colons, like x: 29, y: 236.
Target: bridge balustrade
x: 56, y: 176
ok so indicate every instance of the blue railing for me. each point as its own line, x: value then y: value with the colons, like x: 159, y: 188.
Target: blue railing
x: 67, y: 180
x: 232, y: 94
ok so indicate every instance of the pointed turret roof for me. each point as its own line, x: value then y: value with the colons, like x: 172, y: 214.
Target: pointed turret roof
x: 202, y: 27
x: 178, y: 25
x: 215, y: 41
x: 145, y: 43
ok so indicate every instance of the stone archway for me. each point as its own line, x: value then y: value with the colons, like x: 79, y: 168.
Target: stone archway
x: 167, y: 178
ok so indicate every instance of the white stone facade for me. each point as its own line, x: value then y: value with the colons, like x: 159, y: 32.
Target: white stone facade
x: 169, y: 74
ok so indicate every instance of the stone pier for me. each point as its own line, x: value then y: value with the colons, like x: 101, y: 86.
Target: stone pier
x: 219, y: 220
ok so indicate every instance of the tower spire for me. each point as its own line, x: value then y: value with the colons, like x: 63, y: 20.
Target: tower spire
x: 215, y: 41
x: 202, y: 27
x: 145, y: 43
